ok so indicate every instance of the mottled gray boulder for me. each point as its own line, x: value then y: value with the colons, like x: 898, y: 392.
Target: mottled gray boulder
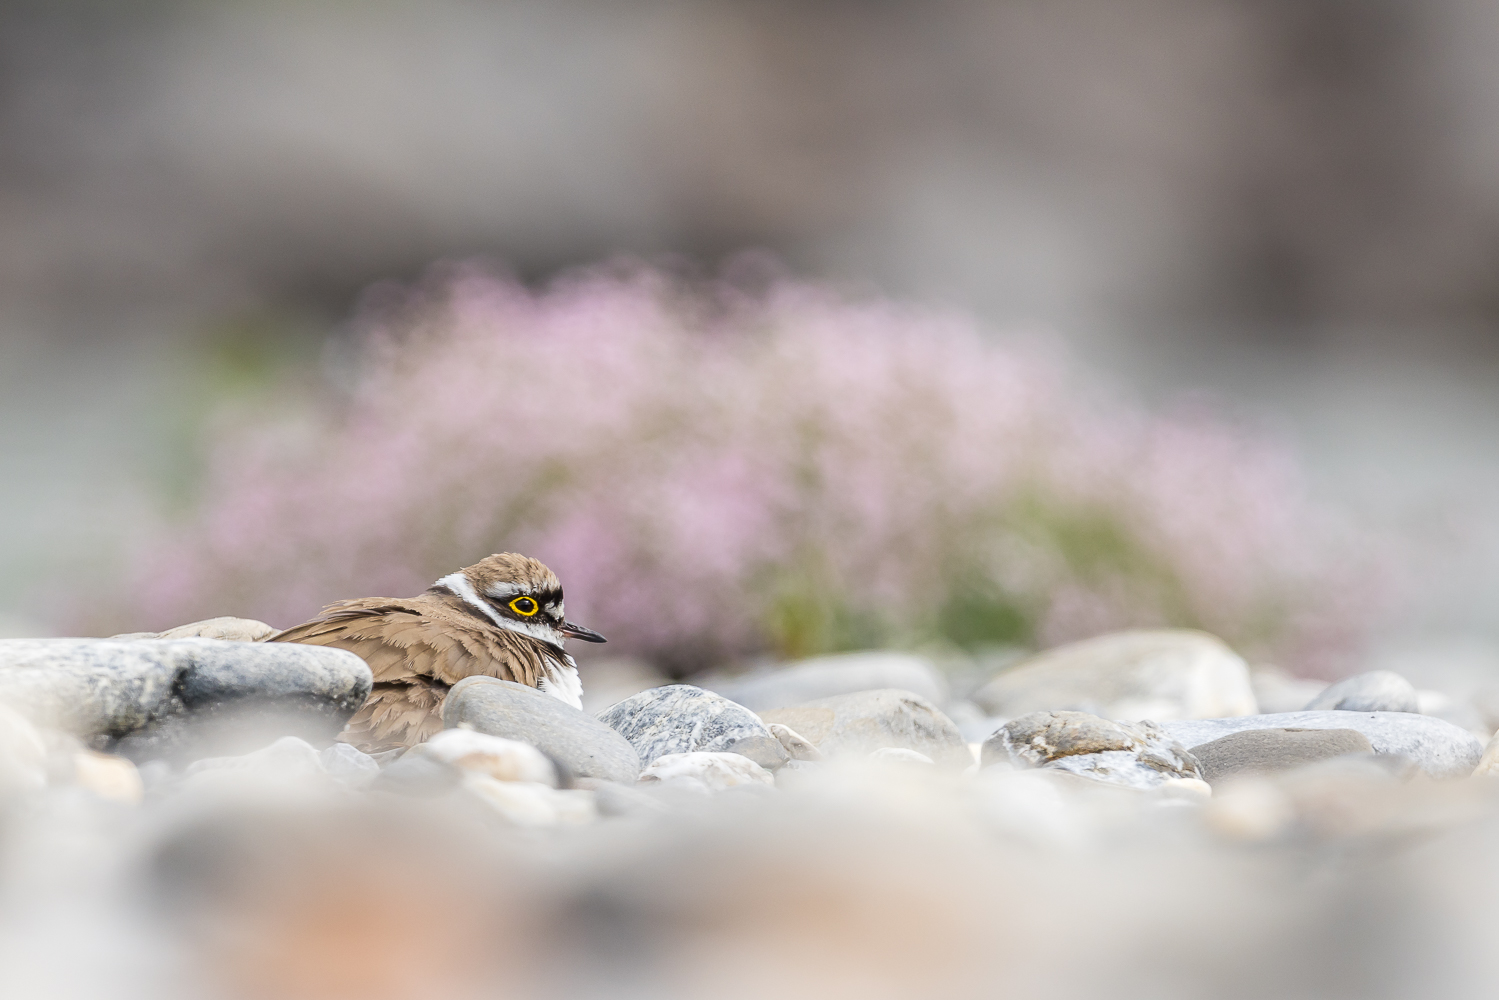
x: 1263, y: 750
x: 1135, y: 754
x: 827, y: 676
x: 681, y: 718
x: 182, y: 698
x: 859, y: 724
x: 1441, y: 749
x: 584, y: 746
x: 1142, y: 674
x: 1375, y: 691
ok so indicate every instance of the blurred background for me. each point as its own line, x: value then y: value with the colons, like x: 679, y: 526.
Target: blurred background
x: 1290, y: 209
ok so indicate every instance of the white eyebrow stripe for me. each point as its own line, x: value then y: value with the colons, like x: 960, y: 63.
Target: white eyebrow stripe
x: 500, y: 591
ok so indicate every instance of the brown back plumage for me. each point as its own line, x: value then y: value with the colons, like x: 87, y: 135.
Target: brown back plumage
x: 419, y: 647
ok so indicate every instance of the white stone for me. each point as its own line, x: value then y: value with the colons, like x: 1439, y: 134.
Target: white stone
x: 1146, y: 674
x: 715, y: 771
x: 529, y: 803
x: 797, y: 745
x: 501, y: 759
x: 901, y: 755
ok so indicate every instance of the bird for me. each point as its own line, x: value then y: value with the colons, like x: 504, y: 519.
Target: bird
x: 501, y: 617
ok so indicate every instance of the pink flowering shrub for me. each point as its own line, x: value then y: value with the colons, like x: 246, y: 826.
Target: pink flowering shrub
x: 716, y: 473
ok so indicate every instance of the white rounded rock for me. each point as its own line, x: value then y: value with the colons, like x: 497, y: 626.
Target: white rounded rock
x: 499, y: 758
x: 901, y: 755
x: 715, y: 771
x: 530, y: 803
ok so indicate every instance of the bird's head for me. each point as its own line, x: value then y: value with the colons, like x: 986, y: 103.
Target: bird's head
x: 517, y: 593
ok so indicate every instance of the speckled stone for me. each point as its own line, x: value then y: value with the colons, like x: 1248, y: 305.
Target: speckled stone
x: 1133, y: 754
x: 681, y: 718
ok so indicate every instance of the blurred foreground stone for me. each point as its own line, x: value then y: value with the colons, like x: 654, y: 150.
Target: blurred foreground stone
x: 706, y: 771
x: 286, y: 873
x: 1162, y: 674
x: 181, y: 698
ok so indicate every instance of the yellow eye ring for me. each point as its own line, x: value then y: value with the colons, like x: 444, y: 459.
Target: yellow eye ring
x: 524, y: 606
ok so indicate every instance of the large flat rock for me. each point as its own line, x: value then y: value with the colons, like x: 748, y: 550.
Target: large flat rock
x: 178, y: 697
x: 1258, y: 751
x: 1155, y: 674
x: 582, y: 744
x: 1440, y: 748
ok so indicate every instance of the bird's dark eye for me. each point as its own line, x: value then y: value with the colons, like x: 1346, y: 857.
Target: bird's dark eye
x: 524, y: 606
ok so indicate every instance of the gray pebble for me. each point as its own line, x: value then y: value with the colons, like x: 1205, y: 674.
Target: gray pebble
x: 1259, y: 750
x: 584, y: 746
x: 1375, y: 691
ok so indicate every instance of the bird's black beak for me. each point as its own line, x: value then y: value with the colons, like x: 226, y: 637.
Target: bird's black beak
x: 579, y: 632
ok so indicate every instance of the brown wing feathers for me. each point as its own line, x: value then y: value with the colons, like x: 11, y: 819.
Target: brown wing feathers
x: 416, y: 650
